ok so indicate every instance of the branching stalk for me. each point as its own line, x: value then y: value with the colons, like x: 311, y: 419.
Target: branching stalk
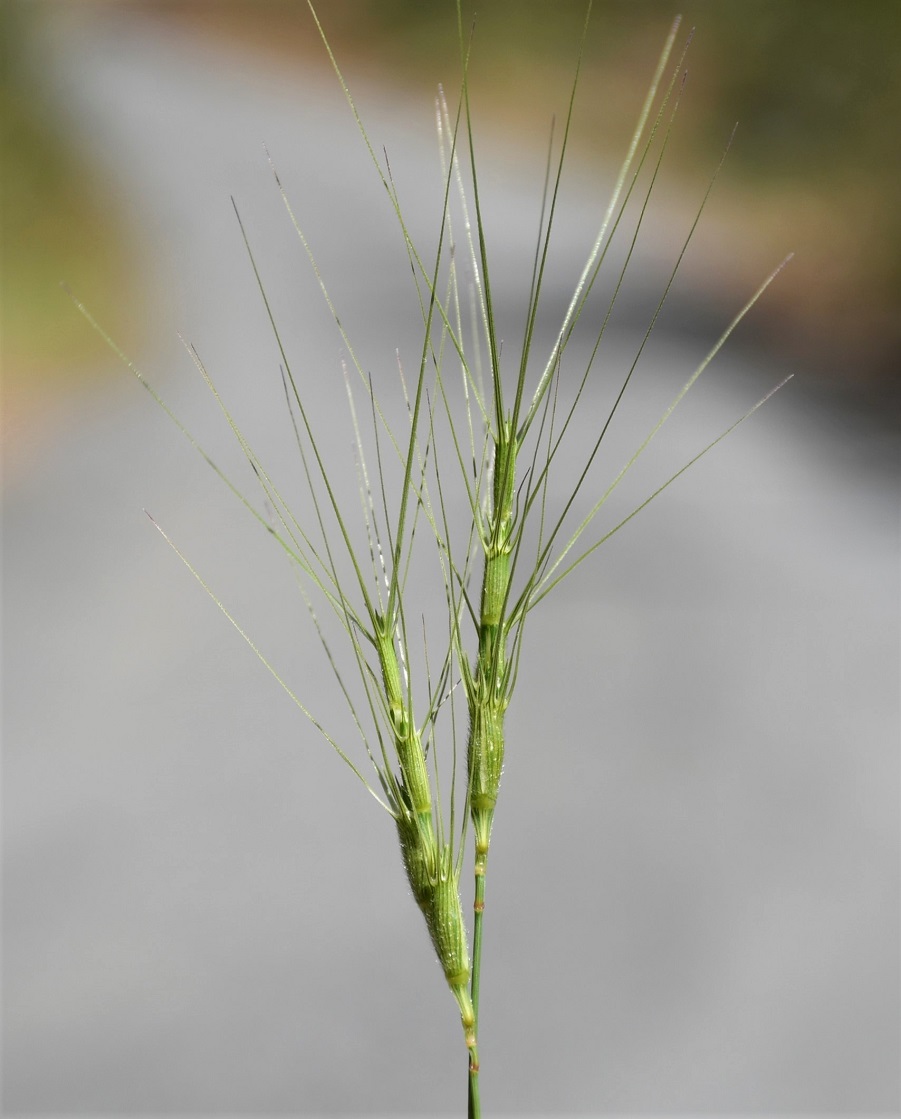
x: 520, y: 561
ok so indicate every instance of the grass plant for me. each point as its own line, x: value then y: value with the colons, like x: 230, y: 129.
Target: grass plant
x: 424, y: 678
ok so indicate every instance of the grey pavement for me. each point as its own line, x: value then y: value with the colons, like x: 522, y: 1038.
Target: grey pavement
x: 693, y: 902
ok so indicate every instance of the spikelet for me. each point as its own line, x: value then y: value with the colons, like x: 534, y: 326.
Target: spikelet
x: 430, y: 869
x: 485, y: 760
x: 485, y: 684
x: 444, y: 918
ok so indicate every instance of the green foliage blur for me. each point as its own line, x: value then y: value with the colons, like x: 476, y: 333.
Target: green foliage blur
x: 816, y: 88
x: 816, y: 166
x: 57, y: 225
x: 816, y: 83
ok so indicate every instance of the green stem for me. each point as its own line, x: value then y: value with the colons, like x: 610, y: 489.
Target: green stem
x: 475, y: 1109
x: 478, y: 906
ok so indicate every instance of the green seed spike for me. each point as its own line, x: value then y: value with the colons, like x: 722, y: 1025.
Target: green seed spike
x: 394, y: 696
x: 448, y: 932
x: 485, y: 761
x: 432, y: 846
x: 407, y: 740
x: 494, y: 585
x: 419, y: 852
x: 487, y: 693
x: 435, y: 882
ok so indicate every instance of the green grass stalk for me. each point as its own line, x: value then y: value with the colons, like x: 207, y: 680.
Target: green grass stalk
x: 502, y: 451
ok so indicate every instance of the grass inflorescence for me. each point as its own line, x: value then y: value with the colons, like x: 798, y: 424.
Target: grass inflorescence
x: 474, y: 433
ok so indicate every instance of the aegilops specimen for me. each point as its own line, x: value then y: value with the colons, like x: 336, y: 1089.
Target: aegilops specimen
x: 491, y: 437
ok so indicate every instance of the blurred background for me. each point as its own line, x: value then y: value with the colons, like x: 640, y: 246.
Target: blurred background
x: 194, y: 921
x: 815, y: 86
